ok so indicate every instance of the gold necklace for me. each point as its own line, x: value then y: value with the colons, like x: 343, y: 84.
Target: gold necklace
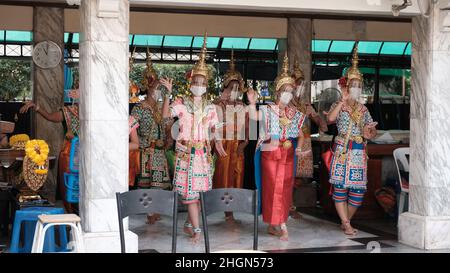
x: 153, y: 107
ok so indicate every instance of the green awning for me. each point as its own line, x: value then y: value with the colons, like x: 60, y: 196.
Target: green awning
x: 148, y: 40
x: 177, y: 41
x: 236, y: 43
x: 211, y: 42
x: 16, y: 36
x: 262, y: 44
x: 342, y: 46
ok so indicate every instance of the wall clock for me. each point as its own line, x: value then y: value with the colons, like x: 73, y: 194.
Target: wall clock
x: 47, y: 54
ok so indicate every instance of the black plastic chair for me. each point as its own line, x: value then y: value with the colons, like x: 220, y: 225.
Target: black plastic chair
x: 235, y: 200
x: 145, y: 201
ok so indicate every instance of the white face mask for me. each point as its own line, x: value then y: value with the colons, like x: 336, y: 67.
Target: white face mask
x: 355, y: 92
x: 198, y: 91
x: 157, y: 94
x: 234, y: 95
x: 286, y: 97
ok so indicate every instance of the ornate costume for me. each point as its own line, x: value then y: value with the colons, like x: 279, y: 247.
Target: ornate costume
x: 194, y: 162
x: 304, y: 164
x: 229, y: 171
x: 274, y: 169
x: 348, y: 171
x: 154, y: 172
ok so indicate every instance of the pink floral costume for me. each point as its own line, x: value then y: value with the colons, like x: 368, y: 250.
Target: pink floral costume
x: 193, y: 164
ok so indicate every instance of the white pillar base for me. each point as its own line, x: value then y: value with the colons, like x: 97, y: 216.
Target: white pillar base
x: 424, y: 232
x: 109, y: 242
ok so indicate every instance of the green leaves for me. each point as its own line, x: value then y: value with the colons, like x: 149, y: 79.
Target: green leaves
x: 15, y: 79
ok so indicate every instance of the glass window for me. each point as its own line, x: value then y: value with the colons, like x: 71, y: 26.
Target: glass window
x: 395, y: 82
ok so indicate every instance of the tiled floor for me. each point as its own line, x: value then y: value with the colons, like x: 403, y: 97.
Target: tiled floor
x: 309, y: 234
x: 314, y: 234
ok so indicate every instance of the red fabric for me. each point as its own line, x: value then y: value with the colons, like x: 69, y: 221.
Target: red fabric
x: 63, y: 166
x: 326, y: 158
x: 277, y: 184
x: 343, y: 82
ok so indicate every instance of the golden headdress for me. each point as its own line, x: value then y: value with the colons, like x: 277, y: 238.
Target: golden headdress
x: 200, y: 68
x: 298, y: 72
x: 233, y: 75
x: 132, y: 88
x: 284, y: 77
x: 353, y: 72
x: 149, y: 74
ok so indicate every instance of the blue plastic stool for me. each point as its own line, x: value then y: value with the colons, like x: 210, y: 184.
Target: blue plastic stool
x: 29, y: 217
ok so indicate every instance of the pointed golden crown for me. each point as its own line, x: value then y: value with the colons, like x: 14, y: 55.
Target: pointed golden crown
x: 298, y: 72
x: 284, y: 77
x: 149, y: 74
x: 353, y: 72
x: 200, y: 68
x: 233, y: 75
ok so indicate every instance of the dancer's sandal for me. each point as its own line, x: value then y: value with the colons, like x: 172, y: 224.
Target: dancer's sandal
x: 188, y: 229
x: 284, y: 233
x: 343, y: 228
x: 273, y: 231
x: 196, y: 237
x: 348, y: 229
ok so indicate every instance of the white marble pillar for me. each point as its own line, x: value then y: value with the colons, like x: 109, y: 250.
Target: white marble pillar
x: 427, y: 224
x: 104, y: 121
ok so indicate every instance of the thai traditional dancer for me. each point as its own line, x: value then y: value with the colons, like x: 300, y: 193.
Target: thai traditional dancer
x: 134, y: 153
x: 279, y: 143
x: 197, y: 120
x: 153, y: 135
x: 69, y: 117
x: 348, y: 171
x: 133, y: 150
x: 301, y: 101
x: 229, y: 170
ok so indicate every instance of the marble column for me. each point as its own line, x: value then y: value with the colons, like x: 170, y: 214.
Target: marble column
x: 299, y: 46
x: 104, y: 121
x: 48, y: 86
x: 427, y: 224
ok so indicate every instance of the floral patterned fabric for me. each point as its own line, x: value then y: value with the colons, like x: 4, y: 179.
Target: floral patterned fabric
x: 154, y: 171
x: 194, y: 163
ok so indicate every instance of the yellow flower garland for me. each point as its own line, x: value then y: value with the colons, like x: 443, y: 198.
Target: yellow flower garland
x: 18, y: 141
x: 37, y: 150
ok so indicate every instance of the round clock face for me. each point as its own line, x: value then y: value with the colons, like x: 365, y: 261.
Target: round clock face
x: 47, y: 54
